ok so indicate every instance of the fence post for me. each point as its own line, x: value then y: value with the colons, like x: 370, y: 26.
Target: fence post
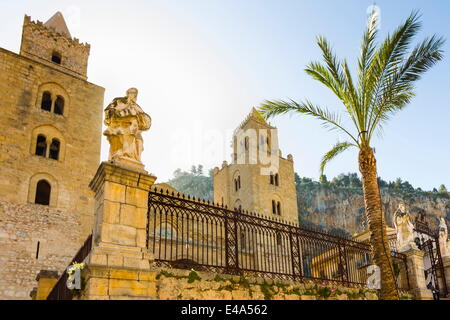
x: 295, y: 255
x: 343, y: 262
x: 414, y: 259
x: 231, y: 246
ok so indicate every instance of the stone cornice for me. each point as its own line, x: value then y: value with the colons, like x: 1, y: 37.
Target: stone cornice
x: 124, y: 176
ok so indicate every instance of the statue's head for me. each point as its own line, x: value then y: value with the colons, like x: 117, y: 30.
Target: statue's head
x: 402, y: 207
x: 132, y: 94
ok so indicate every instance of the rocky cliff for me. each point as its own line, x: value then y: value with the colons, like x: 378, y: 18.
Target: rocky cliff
x: 337, y: 206
x: 342, y: 208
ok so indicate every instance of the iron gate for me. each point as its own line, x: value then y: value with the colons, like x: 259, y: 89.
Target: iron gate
x: 428, y: 242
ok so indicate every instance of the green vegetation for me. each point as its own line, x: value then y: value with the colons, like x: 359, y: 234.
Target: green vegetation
x: 196, y: 184
x: 348, y: 185
x: 193, y: 183
x: 193, y: 276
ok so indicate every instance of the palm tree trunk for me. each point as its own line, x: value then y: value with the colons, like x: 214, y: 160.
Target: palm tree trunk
x: 374, y: 213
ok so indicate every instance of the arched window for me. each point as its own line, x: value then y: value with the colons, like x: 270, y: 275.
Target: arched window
x: 246, y: 142
x: 278, y: 239
x: 46, y: 103
x: 41, y: 146
x: 59, y: 105
x: 54, y: 149
x: 237, y: 183
x: 271, y: 179
x: 276, y: 180
x: 43, y: 191
x: 56, y: 57
x: 276, y: 207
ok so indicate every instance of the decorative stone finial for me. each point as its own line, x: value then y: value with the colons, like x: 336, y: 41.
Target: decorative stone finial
x: 125, y: 121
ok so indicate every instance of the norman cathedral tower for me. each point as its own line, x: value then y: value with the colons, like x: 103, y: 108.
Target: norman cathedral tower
x: 259, y: 179
x: 50, y: 149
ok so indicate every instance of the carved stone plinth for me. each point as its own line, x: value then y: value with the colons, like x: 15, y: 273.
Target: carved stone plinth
x: 119, y: 264
x: 446, y: 263
x: 414, y: 260
x: 121, y: 197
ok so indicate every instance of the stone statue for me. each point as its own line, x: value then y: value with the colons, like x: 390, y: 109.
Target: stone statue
x: 125, y: 121
x: 405, y: 229
x: 443, y: 236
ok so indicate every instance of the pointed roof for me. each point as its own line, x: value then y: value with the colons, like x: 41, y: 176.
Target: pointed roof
x: 256, y: 116
x: 57, y: 23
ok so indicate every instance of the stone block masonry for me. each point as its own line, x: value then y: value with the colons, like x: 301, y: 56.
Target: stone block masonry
x: 37, y: 237
x: 109, y: 283
x: 33, y: 238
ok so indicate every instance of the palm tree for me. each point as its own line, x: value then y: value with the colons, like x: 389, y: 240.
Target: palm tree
x: 386, y: 75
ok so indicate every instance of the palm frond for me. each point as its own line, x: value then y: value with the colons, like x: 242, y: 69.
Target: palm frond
x: 368, y: 48
x: 342, y: 83
x: 337, y: 149
x: 399, y: 88
x: 386, y: 62
x: 320, y: 73
x: 330, y: 120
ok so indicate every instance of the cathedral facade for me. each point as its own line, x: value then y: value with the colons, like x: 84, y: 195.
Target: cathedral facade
x: 258, y: 179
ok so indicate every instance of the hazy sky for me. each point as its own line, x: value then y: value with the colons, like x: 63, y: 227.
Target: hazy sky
x: 200, y: 66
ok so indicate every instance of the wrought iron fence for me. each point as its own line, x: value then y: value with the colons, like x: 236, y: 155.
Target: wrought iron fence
x: 187, y: 233
x: 60, y: 290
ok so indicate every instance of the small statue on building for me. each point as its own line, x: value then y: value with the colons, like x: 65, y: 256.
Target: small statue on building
x: 443, y: 236
x: 405, y: 229
x: 125, y: 121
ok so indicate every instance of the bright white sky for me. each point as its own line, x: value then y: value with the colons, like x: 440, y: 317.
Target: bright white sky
x: 201, y: 65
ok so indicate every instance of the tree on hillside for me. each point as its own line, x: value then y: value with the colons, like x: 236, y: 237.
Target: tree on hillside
x: 323, y: 179
x: 384, y: 85
x: 193, y: 183
x: 443, y: 189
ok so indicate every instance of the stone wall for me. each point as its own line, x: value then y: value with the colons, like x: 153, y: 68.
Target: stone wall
x: 22, y: 227
x: 22, y: 118
x: 61, y: 227
x: 176, y: 284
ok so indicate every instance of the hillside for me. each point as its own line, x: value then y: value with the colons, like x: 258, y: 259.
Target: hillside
x: 337, y: 205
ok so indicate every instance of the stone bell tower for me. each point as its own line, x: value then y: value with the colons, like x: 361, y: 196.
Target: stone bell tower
x: 51, y: 43
x: 50, y: 134
x: 258, y: 179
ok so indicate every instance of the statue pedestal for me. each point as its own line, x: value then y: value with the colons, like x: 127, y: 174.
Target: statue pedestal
x: 121, y: 205
x: 119, y: 258
x: 414, y: 260
x: 446, y: 263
